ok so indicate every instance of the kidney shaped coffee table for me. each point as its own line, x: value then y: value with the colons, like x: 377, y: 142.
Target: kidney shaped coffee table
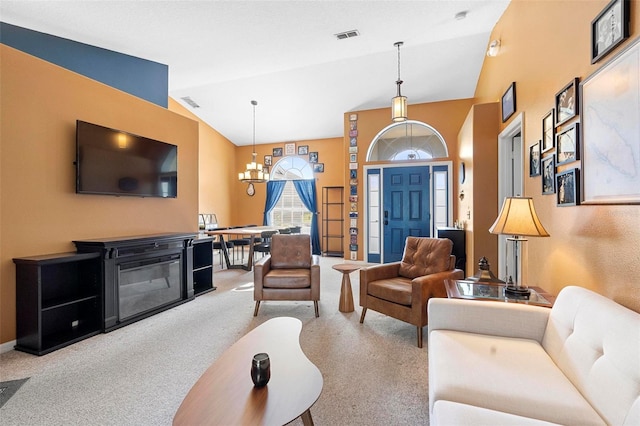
x: 225, y: 394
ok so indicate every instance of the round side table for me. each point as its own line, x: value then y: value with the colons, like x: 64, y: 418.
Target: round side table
x: 346, y: 295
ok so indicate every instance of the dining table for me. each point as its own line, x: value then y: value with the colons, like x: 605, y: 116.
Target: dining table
x: 249, y: 232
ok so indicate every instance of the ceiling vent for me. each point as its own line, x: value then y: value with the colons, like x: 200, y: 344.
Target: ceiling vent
x: 190, y: 101
x: 347, y: 34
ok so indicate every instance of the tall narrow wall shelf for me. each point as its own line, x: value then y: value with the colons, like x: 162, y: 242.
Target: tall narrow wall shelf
x: 333, y: 221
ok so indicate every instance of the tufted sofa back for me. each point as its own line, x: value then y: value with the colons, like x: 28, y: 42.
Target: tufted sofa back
x: 425, y: 256
x: 291, y: 251
x: 596, y: 343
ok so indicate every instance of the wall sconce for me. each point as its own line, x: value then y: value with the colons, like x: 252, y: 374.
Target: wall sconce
x: 494, y: 48
x: 122, y: 141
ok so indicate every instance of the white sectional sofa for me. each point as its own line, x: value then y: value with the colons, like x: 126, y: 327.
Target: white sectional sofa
x: 495, y: 363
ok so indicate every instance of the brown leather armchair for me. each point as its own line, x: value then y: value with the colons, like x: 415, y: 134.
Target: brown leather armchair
x: 402, y: 289
x: 290, y: 272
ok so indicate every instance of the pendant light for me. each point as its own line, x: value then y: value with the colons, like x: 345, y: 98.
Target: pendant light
x: 399, y: 103
x: 254, y: 172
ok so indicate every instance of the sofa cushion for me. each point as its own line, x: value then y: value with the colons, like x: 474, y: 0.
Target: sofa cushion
x: 596, y: 343
x: 448, y: 413
x: 287, y: 278
x: 425, y: 256
x: 511, y: 375
x: 396, y: 290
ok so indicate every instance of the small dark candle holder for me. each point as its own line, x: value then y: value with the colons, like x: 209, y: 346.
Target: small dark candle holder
x: 260, y: 369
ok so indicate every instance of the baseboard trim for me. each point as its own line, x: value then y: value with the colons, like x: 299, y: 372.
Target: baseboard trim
x: 7, y: 346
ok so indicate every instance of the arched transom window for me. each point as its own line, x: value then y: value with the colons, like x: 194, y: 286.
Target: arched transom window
x: 409, y: 140
x: 291, y: 168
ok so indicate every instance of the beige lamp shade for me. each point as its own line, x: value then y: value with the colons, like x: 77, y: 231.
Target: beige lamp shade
x: 518, y: 217
x: 399, y: 108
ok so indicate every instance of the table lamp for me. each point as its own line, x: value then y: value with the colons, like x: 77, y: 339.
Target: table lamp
x: 517, y: 219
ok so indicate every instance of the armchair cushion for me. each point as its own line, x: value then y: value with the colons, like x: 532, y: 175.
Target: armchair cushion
x: 397, y: 290
x: 288, y: 278
x: 290, y: 251
x: 425, y: 256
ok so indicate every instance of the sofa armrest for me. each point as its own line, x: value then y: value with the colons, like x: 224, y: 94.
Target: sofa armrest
x: 488, y: 317
x: 260, y: 269
x: 433, y: 285
x: 379, y: 272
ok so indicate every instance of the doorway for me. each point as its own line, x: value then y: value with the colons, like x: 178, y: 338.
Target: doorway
x: 510, y: 176
x: 401, y: 201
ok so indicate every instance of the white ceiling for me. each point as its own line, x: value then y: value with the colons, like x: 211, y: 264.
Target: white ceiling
x: 284, y: 54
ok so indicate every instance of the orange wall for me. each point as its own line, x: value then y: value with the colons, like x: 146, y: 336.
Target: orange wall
x: 39, y: 209
x: 216, y: 158
x: 247, y: 210
x: 591, y: 246
x: 446, y: 117
x: 478, y: 209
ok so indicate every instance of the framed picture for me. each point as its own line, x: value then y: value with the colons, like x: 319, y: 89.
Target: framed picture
x: 548, y: 131
x: 313, y: 157
x: 610, y: 139
x: 353, y: 142
x: 353, y: 117
x: 353, y: 174
x: 318, y: 168
x: 567, y: 184
x: 277, y: 152
x: 289, y: 149
x: 353, y: 150
x: 509, y: 102
x: 609, y: 29
x: 265, y: 169
x: 267, y: 160
x: 567, y: 144
x: 567, y: 102
x: 353, y: 158
x: 549, y: 175
x: 534, y: 159
x: 303, y: 150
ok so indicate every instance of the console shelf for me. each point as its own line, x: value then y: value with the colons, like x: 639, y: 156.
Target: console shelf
x: 58, y: 300
x: 203, y: 264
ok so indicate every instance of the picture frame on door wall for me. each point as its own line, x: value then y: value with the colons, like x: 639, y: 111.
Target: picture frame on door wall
x: 609, y: 28
x: 567, y: 193
x: 567, y: 102
x: 548, y: 175
x: 534, y: 159
x: 548, y: 132
x: 509, y: 102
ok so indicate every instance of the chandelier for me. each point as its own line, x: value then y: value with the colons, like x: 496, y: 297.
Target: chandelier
x: 254, y: 172
x: 399, y: 103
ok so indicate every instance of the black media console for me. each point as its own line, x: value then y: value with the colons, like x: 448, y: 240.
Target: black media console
x: 107, y: 284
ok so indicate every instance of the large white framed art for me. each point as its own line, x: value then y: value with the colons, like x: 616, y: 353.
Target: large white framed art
x: 611, y: 131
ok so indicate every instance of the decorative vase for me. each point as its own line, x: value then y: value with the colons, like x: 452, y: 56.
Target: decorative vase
x: 260, y: 369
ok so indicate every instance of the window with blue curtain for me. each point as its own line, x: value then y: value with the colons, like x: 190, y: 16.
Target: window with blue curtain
x: 292, y: 198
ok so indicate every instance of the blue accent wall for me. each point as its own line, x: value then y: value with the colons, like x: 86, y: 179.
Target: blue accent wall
x: 140, y: 77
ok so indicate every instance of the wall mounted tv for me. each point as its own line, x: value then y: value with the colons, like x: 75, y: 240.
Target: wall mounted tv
x: 112, y: 162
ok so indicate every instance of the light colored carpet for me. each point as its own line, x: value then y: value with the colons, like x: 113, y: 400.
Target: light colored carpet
x: 374, y: 374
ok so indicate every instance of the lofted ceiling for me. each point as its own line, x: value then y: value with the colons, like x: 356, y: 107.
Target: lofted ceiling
x: 284, y: 54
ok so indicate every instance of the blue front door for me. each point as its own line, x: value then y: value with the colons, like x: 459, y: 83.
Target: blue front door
x: 405, y: 208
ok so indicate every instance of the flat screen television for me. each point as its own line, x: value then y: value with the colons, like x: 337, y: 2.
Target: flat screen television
x: 113, y: 162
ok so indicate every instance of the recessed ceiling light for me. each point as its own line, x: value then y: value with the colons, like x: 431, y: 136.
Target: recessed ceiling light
x: 347, y: 34
x: 461, y: 15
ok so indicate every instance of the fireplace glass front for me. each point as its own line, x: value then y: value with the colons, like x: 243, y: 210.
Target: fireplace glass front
x: 148, y: 284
